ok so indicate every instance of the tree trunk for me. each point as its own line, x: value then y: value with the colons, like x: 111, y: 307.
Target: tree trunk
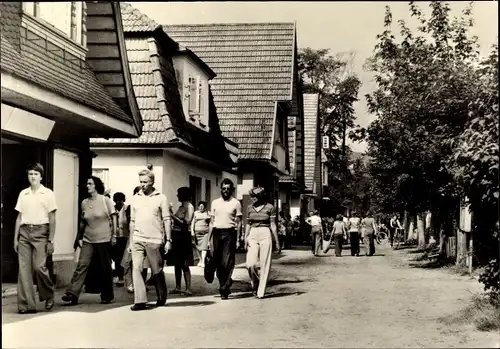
x: 405, y: 224
x: 442, y: 243
x: 461, y: 247
x: 421, y: 230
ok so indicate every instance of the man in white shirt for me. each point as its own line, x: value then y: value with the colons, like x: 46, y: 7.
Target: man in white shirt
x: 150, y: 228
x: 225, y: 223
x: 394, y: 224
x: 316, y: 231
x: 33, y: 241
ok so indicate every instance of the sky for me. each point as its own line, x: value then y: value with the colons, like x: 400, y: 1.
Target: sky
x: 342, y: 27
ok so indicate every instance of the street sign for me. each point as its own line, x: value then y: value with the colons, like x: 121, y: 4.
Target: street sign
x: 326, y: 142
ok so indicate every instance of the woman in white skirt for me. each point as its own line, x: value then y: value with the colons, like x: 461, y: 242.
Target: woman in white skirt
x: 260, y: 231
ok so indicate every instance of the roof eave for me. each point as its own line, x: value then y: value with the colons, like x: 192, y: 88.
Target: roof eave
x: 187, y: 52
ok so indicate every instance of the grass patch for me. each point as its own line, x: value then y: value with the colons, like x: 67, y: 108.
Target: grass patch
x: 480, y: 312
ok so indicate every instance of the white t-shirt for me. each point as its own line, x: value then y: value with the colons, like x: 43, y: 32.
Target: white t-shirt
x: 314, y: 220
x: 225, y: 213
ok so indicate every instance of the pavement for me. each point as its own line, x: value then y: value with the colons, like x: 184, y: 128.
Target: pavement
x: 347, y: 302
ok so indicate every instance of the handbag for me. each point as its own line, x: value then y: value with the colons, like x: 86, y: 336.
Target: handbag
x: 327, y: 243
x: 209, y: 271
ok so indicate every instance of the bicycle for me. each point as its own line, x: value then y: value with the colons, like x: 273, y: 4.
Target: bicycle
x: 381, y: 237
x: 399, y: 237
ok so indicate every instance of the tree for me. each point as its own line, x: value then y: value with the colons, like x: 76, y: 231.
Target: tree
x: 425, y: 84
x: 338, y: 87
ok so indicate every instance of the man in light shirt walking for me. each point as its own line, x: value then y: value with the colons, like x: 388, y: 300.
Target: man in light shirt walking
x: 225, y: 223
x: 150, y: 228
x: 33, y: 241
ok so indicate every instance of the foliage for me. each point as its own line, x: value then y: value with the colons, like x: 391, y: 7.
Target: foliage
x: 490, y: 278
x: 338, y: 88
x: 425, y: 84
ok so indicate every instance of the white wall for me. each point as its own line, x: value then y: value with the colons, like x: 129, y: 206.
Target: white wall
x: 295, y: 207
x: 66, y: 167
x: 171, y: 171
x: 247, y: 183
x: 124, y: 167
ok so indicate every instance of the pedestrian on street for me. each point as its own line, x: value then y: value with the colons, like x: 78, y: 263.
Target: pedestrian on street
x: 369, y: 229
x: 199, y: 228
x: 394, y: 225
x: 226, y: 222
x: 150, y: 228
x: 126, y: 261
x: 259, y: 234
x: 122, y: 235
x: 98, y: 230
x: 354, y: 233
x: 282, y: 230
x: 316, y: 225
x: 339, y: 233
x: 181, y: 253
x: 33, y: 241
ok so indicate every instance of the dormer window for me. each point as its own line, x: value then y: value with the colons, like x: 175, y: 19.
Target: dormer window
x: 63, y: 18
x: 196, y: 96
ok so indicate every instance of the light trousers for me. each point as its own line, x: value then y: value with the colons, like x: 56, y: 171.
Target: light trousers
x: 32, y: 256
x: 150, y: 251
x: 260, y: 248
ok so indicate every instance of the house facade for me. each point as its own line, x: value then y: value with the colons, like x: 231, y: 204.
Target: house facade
x: 181, y: 136
x: 56, y: 94
x: 255, y: 93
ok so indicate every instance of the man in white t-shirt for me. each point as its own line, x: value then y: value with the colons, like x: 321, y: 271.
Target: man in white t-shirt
x: 225, y: 223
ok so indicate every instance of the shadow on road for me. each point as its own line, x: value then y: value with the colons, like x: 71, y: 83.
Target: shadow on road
x: 189, y: 303
x: 284, y: 294
x: 282, y: 282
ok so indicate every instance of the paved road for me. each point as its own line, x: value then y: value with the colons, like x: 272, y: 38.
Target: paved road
x: 313, y: 302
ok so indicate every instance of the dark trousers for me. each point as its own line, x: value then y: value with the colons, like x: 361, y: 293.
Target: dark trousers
x: 354, y: 238
x: 338, y: 244
x: 392, y: 231
x: 224, y: 242
x: 32, y: 258
x: 117, y: 256
x: 369, y: 242
x: 102, y: 278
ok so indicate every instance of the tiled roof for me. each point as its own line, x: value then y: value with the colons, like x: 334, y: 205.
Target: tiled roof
x: 155, y: 88
x: 135, y: 21
x: 311, y: 102
x: 25, y: 59
x: 254, y: 67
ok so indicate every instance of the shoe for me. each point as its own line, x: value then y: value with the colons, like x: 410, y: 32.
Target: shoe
x: 70, y: 298
x: 224, y: 296
x: 106, y: 301
x: 138, y: 306
x: 161, y: 302
x: 49, y: 304
x: 120, y: 283
x: 27, y: 311
x: 175, y: 291
x: 188, y: 293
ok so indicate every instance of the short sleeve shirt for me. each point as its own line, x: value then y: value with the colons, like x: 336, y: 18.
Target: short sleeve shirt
x: 201, y: 221
x: 224, y: 213
x: 35, y: 207
x: 261, y: 218
x: 314, y: 220
x: 96, y: 214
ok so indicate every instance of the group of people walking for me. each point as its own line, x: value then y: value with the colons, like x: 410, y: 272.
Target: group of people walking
x: 143, y: 234
x: 342, y: 229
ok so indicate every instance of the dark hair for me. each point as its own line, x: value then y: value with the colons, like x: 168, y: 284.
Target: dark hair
x: 184, y: 194
x: 338, y: 217
x: 99, y: 185
x: 227, y: 181
x: 119, y: 196
x: 204, y: 203
x: 282, y: 214
x: 35, y: 167
x: 137, y: 189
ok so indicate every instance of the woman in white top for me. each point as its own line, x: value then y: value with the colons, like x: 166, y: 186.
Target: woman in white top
x: 354, y: 233
x: 316, y: 232
x: 199, y: 229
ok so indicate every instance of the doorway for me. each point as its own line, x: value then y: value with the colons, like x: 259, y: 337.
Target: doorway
x: 17, y: 155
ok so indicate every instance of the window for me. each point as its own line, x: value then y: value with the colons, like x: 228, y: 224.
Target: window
x: 65, y: 17
x: 103, y: 174
x: 208, y: 191
x: 195, y: 97
x: 195, y: 186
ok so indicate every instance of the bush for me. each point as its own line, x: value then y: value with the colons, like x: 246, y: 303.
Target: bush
x: 490, y: 278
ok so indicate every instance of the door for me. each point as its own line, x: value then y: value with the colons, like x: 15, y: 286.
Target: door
x: 16, y: 157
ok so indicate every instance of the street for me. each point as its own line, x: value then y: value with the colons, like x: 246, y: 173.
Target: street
x: 312, y: 302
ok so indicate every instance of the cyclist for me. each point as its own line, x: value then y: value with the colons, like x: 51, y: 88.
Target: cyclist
x: 394, y: 224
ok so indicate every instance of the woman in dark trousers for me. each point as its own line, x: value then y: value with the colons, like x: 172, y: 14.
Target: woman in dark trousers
x: 98, y: 228
x: 339, y: 232
x: 181, y: 253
